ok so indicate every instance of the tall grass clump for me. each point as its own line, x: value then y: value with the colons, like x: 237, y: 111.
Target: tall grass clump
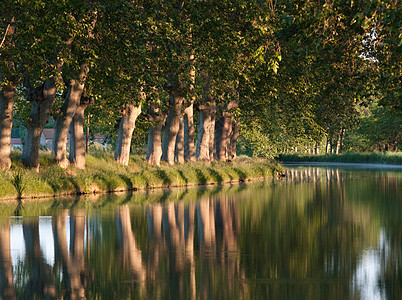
x: 19, y: 183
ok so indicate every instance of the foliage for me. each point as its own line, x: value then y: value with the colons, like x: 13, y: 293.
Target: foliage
x: 379, y: 130
x: 300, y: 71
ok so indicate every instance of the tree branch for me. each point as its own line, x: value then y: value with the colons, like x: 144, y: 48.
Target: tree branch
x: 5, y: 34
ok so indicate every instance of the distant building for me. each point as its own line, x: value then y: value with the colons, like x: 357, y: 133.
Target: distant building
x: 100, y: 139
x: 46, y: 138
x: 16, y: 143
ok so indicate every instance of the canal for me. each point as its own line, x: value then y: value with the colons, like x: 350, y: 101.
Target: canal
x: 321, y: 232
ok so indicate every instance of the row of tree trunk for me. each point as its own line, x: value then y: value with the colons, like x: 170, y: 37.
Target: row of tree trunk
x: 171, y: 131
x: 334, y: 143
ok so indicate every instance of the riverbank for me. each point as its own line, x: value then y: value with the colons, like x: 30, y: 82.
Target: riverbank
x: 350, y: 157
x: 104, y: 175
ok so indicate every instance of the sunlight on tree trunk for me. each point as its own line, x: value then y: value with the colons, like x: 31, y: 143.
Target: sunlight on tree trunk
x: 7, y: 95
x: 70, y: 105
x: 172, y: 127
x: 42, y: 99
x: 188, y: 120
x: 179, y: 146
x: 125, y: 133
x: 77, y: 140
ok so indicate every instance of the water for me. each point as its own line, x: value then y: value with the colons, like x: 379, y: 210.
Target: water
x: 320, y: 233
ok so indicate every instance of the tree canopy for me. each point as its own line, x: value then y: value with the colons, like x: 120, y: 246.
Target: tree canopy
x: 291, y: 74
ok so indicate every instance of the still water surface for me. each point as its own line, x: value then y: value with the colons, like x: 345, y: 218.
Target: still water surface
x: 320, y: 233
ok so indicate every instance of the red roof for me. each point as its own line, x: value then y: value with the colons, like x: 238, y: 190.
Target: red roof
x: 15, y: 141
x: 99, y: 137
x: 48, y: 133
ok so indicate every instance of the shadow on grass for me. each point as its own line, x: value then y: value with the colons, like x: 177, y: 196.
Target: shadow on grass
x: 108, y: 181
x: 262, y: 172
x: 200, y: 177
x: 182, y: 176
x: 215, y: 175
x: 127, y: 181
x: 55, y: 187
x: 242, y: 175
x: 75, y: 185
x: 163, y: 175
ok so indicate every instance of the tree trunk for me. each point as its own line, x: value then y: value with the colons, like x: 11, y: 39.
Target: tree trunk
x: 42, y: 100
x: 87, y: 136
x: 204, y: 124
x: 328, y: 146
x: 70, y: 105
x: 179, y: 146
x: 7, y: 96
x: 222, y: 131
x: 317, y: 149
x: 341, y: 137
x: 154, y: 150
x: 188, y: 120
x: 395, y: 141
x: 212, y: 149
x: 334, y: 142
x: 126, y: 128
x: 77, y: 141
x: 338, y: 144
x: 172, y: 125
x: 218, y: 136
x: 171, y: 130
x: 233, y: 139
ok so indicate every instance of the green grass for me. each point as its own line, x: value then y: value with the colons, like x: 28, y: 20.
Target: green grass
x: 348, y: 157
x: 103, y: 174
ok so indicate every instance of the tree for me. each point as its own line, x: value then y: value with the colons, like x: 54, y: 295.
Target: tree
x: 8, y: 85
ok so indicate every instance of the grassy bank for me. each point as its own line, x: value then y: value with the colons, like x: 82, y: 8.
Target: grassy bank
x: 350, y: 157
x: 102, y: 174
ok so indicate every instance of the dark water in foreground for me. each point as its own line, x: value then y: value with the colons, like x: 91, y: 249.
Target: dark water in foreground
x: 320, y: 233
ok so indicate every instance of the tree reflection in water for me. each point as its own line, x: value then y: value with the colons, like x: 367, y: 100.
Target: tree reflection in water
x: 131, y: 252
x: 73, y: 262
x: 310, y: 236
x: 41, y: 282
x: 7, y: 290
